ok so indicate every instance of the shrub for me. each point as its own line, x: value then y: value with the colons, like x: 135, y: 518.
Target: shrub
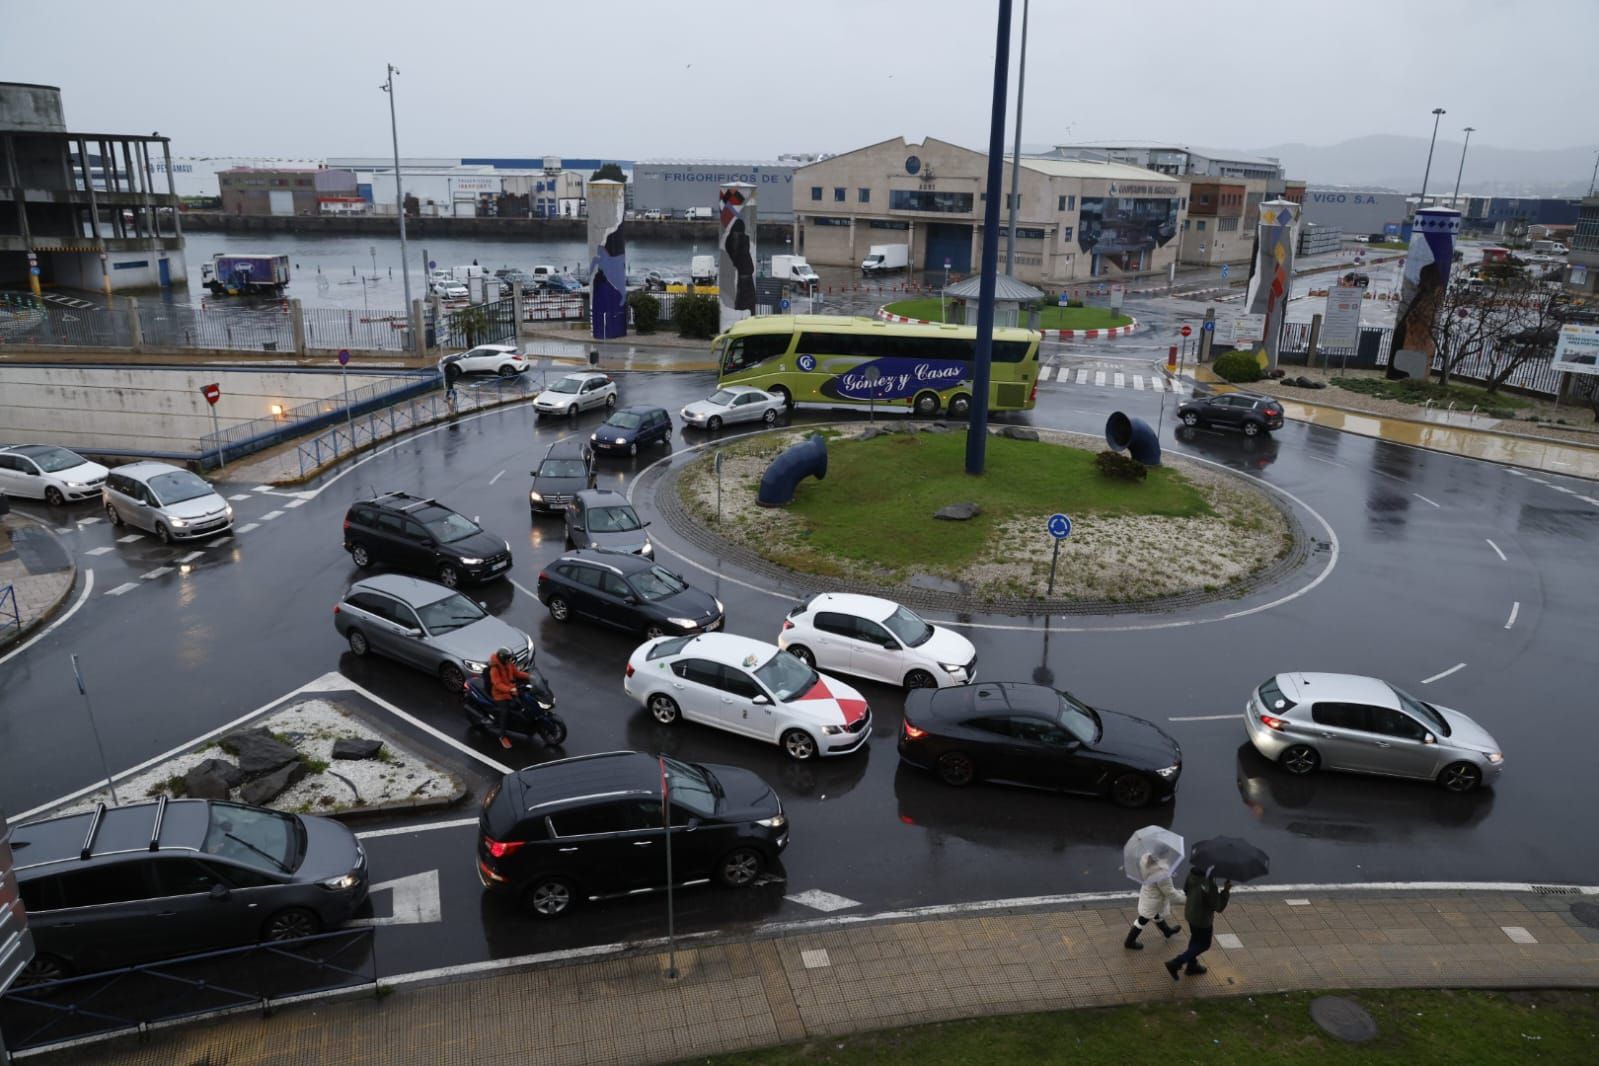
x: 697, y: 316
x: 646, y: 311
x: 1075, y: 301
x: 1237, y: 366
x: 1121, y: 467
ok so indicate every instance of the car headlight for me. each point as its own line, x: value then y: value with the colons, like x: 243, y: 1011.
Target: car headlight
x: 1169, y: 772
x: 682, y: 623
x: 619, y: 440
x: 77, y: 484
x: 719, y: 608
x: 474, y: 667
x: 832, y: 730
x: 535, y: 497
x: 953, y: 668
x: 336, y: 884
x: 776, y: 821
x: 1496, y: 757
x: 467, y: 560
x: 179, y: 522
x: 228, y: 510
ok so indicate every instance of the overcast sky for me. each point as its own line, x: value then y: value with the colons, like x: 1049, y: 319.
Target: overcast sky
x: 633, y: 79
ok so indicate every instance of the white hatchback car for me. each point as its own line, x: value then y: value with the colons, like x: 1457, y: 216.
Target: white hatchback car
x: 577, y: 392
x: 502, y: 359
x: 736, y: 403
x: 879, y: 639
x: 749, y: 687
x: 46, y: 472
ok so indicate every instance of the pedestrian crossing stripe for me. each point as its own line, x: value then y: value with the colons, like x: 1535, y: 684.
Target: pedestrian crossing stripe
x: 1109, y: 379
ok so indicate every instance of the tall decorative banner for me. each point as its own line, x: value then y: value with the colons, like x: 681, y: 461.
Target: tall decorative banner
x: 1432, y: 251
x: 737, y: 240
x: 608, y: 266
x: 1271, y: 277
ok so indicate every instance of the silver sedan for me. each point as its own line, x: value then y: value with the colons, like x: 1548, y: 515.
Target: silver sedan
x: 736, y: 403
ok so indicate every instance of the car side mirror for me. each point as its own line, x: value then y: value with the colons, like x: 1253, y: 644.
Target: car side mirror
x: 760, y: 701
x: 693, y: 824
x: 219, y: 893
x: 429, y: 542
x: 415, y: 631
x: 1429, y: 739
x: 631, y: 601
x: 643, y: 524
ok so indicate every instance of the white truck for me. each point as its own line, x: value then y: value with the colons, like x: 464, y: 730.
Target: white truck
x: 698, y: 213
x: 793, y: 268
x: 703, y: 270
x: 881, y: 258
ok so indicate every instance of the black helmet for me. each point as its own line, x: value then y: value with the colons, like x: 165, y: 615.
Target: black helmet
x: 503, y: 655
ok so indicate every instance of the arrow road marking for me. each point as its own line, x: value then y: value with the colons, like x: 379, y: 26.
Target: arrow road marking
x: 416, y: 900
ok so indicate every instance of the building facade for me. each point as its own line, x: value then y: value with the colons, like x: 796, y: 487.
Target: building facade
x: 284, y: 191
x: 1582, y: 263
x: 1354, y: 210
x: 1075, y: 219
x: 673, y: 186
x: 1178, y: 160
x: 1219, y: 227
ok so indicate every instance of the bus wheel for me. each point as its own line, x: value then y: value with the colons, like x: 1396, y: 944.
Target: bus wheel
x: 927, y: 404
x: 960, y: 406
x: 783, y: 394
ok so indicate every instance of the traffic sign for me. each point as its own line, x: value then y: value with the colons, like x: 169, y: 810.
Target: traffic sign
x: 947, y: 262
x: 1187, y: 330
x: 212, y: 393
x: 344, y: 356
x: 433, y: 264
x: 1208, y: 326
x: 783, y: 305
x: 1060, y: 527
x: 1225, y: 270
x: 34, y: 271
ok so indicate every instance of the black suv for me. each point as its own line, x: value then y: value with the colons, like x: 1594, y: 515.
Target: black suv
x: 424, y: 537
x: 1239, y: 410
x: 588, y: 827
x: 566, y: 470
x: 124, y: 885
x: 627, y: 591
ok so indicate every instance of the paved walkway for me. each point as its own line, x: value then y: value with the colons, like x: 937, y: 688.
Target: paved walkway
x: 862, y: 974
x: 39, y: 571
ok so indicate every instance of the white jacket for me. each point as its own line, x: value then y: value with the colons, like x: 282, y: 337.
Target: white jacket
x: 1159, y: 899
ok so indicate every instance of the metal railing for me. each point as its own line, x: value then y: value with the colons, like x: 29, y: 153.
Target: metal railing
x: 10, y: 615
x: 487, y: 323
x: 332, y: 328
x: 216, y: 325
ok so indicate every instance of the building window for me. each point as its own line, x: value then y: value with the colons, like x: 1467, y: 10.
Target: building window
x: 838, y: 194
x: 1202, y: 225
x: 1185, y: 223
x: 1227, y: 224
x: 1205, y: 198
x: 1065, y: 233
x: 951, y: 203
x: 816, y: 192
x: 1071, y: 202
x: 888, y: 223
x: 863, y: 196
x: 830, y: 221
x: 1060, y: 203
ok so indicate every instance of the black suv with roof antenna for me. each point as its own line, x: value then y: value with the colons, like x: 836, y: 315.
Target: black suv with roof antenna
x: 423, y: 537
x: 119, y: 886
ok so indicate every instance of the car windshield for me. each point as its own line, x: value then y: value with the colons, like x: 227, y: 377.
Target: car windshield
x: 255, y: 837
x: 561, y: 468
x: 567, y: 385
x: 178, y: 486
x: 1425, y: 711
x: 692, y: 787
x: 51, y: 460
x: 722, y: 398
x: 911, y: 630
x: 1078, y: 718
x: 450, y: 527
x: 785, y: 676
x: 619, y: 519
x: 657, y: 584
x: 449, y: 614
x: 625, y: 420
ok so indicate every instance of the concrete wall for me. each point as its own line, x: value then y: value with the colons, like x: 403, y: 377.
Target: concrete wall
x: 31, y: 107
x: 129, y: 410
x: 129, y: 270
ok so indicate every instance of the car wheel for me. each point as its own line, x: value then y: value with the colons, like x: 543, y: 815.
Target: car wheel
x: 1460, y: 777
x: 783, y: 394
x: 1299, y: 760
x: 1190, y: 419
x: 43, y: 969
x: 452, y: 677
x: 358, y: 644
x: 926, y: 404
x: 449, y: 576
x: 507, y: 371
x: 632, y: 449
x: 713, y: 423
x: 1251, y: 429
x: 291, y: 923
x: 803, y: 654
x: 112, y: 516
x: 163, y: 534
x: 920, y: 679
x: 53, y: 497
x: 360, y: 556
x: 960, y: 406
x: 770, y: 416
x: 1132, y: 790
x: 610, y: 401
x: 549, y: 897
x: 571, y: 412
x: 956, y: 768
x: 654, y: 630
x: 664, y: 709
x: 739, y: 868
x: 798, y: 745
x: 559, y: 609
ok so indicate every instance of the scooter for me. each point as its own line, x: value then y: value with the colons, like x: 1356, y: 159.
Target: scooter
x: 532, y: 716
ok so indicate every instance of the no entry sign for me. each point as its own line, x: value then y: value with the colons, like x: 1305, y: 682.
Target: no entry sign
x: 1187, y: 330
x: 211, y: 392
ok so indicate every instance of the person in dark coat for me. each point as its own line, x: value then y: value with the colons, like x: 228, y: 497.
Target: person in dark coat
x: 1205, y: 901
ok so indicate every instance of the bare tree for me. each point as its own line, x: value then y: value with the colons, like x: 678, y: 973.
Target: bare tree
x: 1490, y: 325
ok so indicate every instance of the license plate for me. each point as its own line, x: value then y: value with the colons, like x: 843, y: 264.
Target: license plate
x: 500, y: 566
x: 714, y: 626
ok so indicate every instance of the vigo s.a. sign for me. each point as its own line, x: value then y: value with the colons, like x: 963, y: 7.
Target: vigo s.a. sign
x: 1341, y: 198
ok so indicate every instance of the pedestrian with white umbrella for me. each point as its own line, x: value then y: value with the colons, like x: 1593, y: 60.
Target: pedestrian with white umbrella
x: 1149, y: 857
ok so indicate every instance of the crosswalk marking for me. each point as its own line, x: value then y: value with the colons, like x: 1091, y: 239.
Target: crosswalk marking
x: 1138, y: 381
x: 1099, y: 377
x: 1119, y: 380
x: 130, y: 538
x: 99, y: 551
x: 150, y: 575
x: 1082, y: 377
x: 1113, y: 379
x: 126, y: 586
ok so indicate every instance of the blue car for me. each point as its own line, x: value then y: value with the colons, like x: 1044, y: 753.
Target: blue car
x: 630, y: 428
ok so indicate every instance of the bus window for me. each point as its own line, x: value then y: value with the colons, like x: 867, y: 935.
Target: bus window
x: 733, y: 358
x: 752, y: 349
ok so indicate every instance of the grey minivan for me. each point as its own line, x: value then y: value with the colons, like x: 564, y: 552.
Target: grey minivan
x: 602, y: 518
x: 172, y: 503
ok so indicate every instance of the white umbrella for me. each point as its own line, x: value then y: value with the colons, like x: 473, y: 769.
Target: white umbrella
x: 1151, y: 854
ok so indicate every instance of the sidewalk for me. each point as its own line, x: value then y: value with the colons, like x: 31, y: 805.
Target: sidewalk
x: 39, y: 570
x: 861, y: 974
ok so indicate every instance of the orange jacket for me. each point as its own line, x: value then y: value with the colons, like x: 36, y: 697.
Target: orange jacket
x: 503, y: 678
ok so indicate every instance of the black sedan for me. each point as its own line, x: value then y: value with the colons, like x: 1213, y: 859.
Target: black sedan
x: 626, y: 591
x: 1040, y: 737
x: 1235, y: 410
x: 630, y: 428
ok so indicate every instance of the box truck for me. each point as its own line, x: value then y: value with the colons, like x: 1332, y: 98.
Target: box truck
x: 882, y: 258
x: 697, y: 213
x: 793, y: 268
x: 703, y: 269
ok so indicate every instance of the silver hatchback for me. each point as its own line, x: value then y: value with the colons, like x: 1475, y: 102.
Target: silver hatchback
x: 1364, y: 725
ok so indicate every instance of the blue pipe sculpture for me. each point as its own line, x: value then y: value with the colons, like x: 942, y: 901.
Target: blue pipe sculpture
x: 807, y: 458
x: 1133, y: 435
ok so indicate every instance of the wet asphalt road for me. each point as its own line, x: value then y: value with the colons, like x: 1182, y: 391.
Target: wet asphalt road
x: 1417, y: 588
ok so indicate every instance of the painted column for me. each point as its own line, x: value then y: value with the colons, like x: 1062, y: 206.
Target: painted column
x: 1271, y: 278
x: 608, y: 259
x: 736, y: 238
x: 1426, y: 277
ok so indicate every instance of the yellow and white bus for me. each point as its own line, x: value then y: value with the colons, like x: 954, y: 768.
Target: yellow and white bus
x: 829, y: 360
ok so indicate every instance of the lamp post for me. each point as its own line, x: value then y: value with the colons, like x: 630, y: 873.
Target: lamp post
x: 1016, y: 153
x: 1455, y: 200
x: 399, y: 196
x: 1437, y: 113
x: 1595, y: 179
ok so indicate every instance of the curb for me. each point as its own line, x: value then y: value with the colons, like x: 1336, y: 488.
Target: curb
x: 1062, y: 334
x: 1556, y: 441
x: 43, y: 618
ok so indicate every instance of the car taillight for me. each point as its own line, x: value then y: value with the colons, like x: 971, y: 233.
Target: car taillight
x: 335, y: 608
x: 346, y: 522
x: 543, y: 576
x: 787, y: 624
x: 501, y: 848
x: 912, y: 733
x: 629, y: 669
x: 1271, y: 722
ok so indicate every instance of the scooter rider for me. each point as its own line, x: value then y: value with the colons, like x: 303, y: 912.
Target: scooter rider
x: 504, y: 675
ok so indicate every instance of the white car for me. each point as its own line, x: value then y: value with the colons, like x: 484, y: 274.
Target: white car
x: 749, y: 687
x: 736, y: 403
x: 46, y: 472
x: 879, y: 639
x: 501, y: 359
x: 577, y: 392
x: 450, y: 289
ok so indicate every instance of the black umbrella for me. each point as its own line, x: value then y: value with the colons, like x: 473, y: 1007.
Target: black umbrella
x: 1232, y: 858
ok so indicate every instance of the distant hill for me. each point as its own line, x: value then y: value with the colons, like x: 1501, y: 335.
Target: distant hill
x: 1398, y: 162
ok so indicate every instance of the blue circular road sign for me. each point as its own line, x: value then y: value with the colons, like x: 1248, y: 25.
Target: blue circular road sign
x: 1209, y: 326
x: 34, y: 271
x: 344, y: 356
x: 783, y: 305
x: 1225, y: 270
x: 433, y: 264
x: 1060, y: 527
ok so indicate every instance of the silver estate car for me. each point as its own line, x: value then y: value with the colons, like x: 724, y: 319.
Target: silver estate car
x: 1362, y: 724
x: 166, y: 500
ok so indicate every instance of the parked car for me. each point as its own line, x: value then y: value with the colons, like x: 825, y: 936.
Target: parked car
x: 630, y: 428
x: 450, y: 289
x: 876, y: 638
x: 751, y: 688
x: 602, y: 518
x: 1238, y: 410
x: 589, y: 827
x: 736, y: 403
x: 168, y: 501
x: 502, y: 359
x: 1041, y: 737
x: 46, y: 472
x: 630, y: 592
x: 1308, y: 721
x: 425, y: 537
x: 562, y: 285
x: 661, y: 280
x: 433, y: 628
x: 566, y: 470
x: 576, y: 392
x: 123, y: 885
x: 653, y: 215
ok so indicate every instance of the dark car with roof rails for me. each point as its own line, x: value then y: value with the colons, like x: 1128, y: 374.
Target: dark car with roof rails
x: 590, y: 827
x: 566, y: 470
x: 424, y: 537
x: 630, y: 592
x: 1246, y: 411
x: 628, y: 429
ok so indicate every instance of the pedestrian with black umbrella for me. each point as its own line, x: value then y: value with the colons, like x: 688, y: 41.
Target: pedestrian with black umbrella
x: 1227, y: 857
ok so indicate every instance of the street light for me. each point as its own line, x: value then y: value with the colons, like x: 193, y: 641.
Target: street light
x: 1437, y: 113
x: 1016, y: 154
x: 399, y: 196
x: 1456, y: 198
x: 1595, y: 179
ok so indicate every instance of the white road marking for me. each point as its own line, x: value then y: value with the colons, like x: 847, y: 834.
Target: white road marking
x: 1297, y: 902
x: 100, y: 550
x: 237, y: 496
x: 1043, y: 375
x: 1539, y: 480
x: 1319, y: 459
x: 826, y: 902
x: 332, y: 682
x: 1204, y: 718
x: 1138, y: 381
x: 126, y: 586
x: 398, y: 830
x: 1119, y: 379
x: 247, y: 527
x: 1518, y: 934
x: 416, y: 900
x: 522, y: 588
x: 64, y: 530
x: 1497, y: 552
x: 1588, y: 499
x: 1099, y: 377
x: 496, y: 477
x: 270, y: 515
x: 1562, y: 488
x: 83, y: 597
x: 191, y: 557
x: 130, y: 538
x: 1446, y: 673
x: 262, y: 488
x: 1424, y: 499
x: 295, y: 503
x: 87, y: 521
x: 815, y: 958
x: 1082, y: 377
x: 1515, y: 608
x: 1229, y: 941
x: 149, y: 575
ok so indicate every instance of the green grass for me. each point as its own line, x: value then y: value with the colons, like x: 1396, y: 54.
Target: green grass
x: 876, y: 504
x: 1418, y: 391
x: 1054, y: 317
x: 1417, y: 1027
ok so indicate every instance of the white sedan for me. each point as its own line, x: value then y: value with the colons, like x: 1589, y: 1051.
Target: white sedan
x: 748, y: 687
x: 502, y: 359
x: 736, y: 403
x: 46, y: 472
x: 879, y: 639
x: 577, y: 392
